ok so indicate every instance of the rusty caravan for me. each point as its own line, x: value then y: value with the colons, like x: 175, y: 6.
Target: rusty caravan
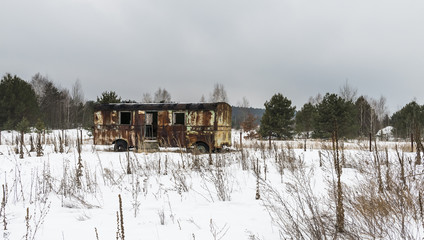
x: 204, y: 126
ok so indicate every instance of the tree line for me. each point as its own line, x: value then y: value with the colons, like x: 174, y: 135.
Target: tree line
x: 41, y: 101
x: 348, y: 115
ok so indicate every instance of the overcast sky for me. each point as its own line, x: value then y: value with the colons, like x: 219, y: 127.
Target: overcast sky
x: 255, y: 48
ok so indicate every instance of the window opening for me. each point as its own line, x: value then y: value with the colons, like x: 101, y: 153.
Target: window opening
x: 179, y: 118
x: 125, y: 118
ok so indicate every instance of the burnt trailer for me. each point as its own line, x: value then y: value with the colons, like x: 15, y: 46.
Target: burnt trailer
x: 205, y: 126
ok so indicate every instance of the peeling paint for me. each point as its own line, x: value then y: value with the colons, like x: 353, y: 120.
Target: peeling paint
x: 208, y: 123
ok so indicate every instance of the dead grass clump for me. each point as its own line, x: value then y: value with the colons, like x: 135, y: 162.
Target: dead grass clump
x: 297, y: 212
x: 404, y: 147
x: 387, y: 207
x: 180, y: 180
x: 370, y: 207
x: 221, y: 179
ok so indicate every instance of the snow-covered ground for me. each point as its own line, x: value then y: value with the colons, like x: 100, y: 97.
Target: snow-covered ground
x: 173, y: 194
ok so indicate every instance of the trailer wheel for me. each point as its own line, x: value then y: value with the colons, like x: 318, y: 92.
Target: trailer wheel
x: 120, y: 146
x: 201, y: 147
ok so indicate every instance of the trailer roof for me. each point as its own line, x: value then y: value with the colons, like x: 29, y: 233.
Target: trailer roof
x: 157, y: 106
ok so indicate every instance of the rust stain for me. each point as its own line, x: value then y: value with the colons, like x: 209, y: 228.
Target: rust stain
x: 175, y: 125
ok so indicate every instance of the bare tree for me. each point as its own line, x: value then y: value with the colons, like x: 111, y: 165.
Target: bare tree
x: 77, y: 104
x: 347, y: 92
x: 219, y: 94
x: 202, y: 99
x: 147, y: 98
x: 378, y: 112
x: 162, y: 96
x: 60, y: 108
x: 55, y: 104
x: 77, y: 92
x: 39, y: 83
x: 247, y: 121
x: 315, y: 100
x: 244, y: 103
x: 381, y: 108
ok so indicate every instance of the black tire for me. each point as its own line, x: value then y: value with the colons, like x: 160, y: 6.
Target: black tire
x: 120, y: 146
x: 201, y: 148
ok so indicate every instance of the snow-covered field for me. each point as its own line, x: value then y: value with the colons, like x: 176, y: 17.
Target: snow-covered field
x: 173, y: 194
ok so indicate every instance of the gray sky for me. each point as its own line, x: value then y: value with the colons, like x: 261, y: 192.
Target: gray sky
x: 255, y: 48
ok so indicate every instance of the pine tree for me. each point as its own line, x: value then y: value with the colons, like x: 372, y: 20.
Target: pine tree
x: 17, y: 100
x: 278, y: 119
x: 408, y: 120
x: 335, y: 118
x: 364, y: 116
x: 305, y: 119
x: 335, y: 111
x: 109, y: 97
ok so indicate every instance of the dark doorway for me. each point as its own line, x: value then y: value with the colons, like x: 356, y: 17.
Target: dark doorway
x: 151, y: 126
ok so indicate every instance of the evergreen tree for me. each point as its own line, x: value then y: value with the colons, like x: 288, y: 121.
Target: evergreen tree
x: 17, y: 100
x: 59, y: 109
x: 109, y: 97
x: 278, y: 118
x: 335, y: 118
x: 335, y: 114
x: 305, y: 118
x: 364, y: 117
x: 408, y: 120
x: 88, y: 114
x: 23, y: 126
x: 50, y: 105
x: 39, y: 126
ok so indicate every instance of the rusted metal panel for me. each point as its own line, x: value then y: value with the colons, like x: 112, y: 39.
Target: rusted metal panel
x: 164, y: 118
x: 223, y: 129
x: 98, y: 118
x: 164, y: 131
x: 201, y: 118
x: 209, y: 123
x: 200, y: 127
x: 107, y: 117
x: 139, y: 118
x: 114, y: 117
